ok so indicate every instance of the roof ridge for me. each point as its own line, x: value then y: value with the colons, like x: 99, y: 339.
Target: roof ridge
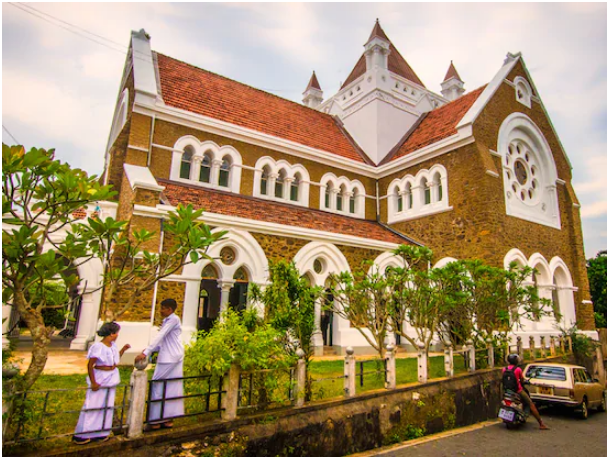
x: 243, y: 84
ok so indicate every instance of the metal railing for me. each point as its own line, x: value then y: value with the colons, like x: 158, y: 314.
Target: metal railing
x: 266, y: 388
x: 41, y: 415
x: 204, y: 401
x: 360, y: 375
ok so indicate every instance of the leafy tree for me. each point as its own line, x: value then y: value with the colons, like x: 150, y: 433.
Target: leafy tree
x: 39, y: 196
x: 597, y: 277
x: 239, y: 338
x: 127, y: 261
x: 362, y: 298
x: 289, y: 306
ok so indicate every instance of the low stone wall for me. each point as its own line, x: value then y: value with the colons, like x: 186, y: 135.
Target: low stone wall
x: 330, y: 428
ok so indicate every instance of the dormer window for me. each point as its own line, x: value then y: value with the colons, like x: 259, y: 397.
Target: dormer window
x: 523, y: 91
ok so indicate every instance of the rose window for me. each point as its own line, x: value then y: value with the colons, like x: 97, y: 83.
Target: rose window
x: 522, y: 172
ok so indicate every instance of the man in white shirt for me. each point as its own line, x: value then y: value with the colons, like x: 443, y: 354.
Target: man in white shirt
x: 169, y: 365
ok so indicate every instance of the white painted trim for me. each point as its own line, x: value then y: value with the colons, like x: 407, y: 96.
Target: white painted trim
x: 492, y: 173
x: 138, y: 148
x: 141, y: 177
x: 495, y: 153
x: 214, y: 219
x: 410, y: 217
x: 480, y: 103
x: 561, y: 182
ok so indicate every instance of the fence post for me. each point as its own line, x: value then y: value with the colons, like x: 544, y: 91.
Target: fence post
x: 300, y: 389
x: 422, y: 364
x: 542, y: 347
x: 531, y: 348
x: 552, y: 346
x: 471, y: 356
x: 449, y: 365
x: 139, y: 392
x: 562, y: 344
x: 490, y: 356
x: 390, y: 367
x: 350, y: 373
x: 519, y: 347
x: 230, y: 400
x: 570, y: 343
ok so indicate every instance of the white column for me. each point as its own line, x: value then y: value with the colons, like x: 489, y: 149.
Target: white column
x: 226, y: 286
x: 215, y: 171
x: 349, y: 373
x: 287, y: 188
x: 88, y: 318
x: 195, y: 168
x: 390, y: 367
x: 271, y: 189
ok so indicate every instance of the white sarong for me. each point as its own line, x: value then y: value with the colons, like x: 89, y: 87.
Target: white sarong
x: 162, y: 411
x: 98, y: 423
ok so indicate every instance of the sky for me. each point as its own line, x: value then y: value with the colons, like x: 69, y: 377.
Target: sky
x: 62, y: 64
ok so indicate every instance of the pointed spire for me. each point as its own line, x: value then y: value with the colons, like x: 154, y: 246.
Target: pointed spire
x: 378, y: 32
x: 452, y: 72
x: 313, y: 84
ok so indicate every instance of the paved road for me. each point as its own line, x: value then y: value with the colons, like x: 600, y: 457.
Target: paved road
x: 568, y: 436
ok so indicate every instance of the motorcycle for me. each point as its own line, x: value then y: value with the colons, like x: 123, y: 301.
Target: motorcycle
x: 512, y: 410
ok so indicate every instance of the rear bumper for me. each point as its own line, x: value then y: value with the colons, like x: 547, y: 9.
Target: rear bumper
x: 551, y: 400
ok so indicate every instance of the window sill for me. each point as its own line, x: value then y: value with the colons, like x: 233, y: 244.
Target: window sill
x: 411, y: 215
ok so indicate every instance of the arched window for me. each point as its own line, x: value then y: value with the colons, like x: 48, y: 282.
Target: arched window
x: 408, y: 196
x: 353, y: 199
x: 265, y: 174
x: 205, y: 169
x: 340, y: 198
x: 186, y: 163
x: 295, y: 187
x: 224, y: 172
x: 241, y: 275
x: 209, y: 272
x: 280, y: 184
x: 425, y: 187
x: 399, y: 200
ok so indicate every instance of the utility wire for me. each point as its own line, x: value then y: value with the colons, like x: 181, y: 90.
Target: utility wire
x: 11, y: 135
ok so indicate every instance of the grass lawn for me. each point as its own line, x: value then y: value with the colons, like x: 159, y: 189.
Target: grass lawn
x: 64, y: 402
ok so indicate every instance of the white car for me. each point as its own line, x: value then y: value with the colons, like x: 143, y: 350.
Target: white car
x: 567, y: 385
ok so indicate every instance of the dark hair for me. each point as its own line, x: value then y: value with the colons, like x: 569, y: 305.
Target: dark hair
x: 170, y: 303
x: 107, y: 329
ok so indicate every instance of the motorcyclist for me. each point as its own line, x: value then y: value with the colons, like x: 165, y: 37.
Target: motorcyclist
x: 513, y: 361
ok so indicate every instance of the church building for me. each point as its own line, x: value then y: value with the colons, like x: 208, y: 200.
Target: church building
x: 344, y: 178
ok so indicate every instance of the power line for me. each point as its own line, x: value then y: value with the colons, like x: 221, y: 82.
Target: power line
x: 11, y: 135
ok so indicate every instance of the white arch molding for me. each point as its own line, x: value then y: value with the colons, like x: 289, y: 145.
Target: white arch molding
x: 90, y: 273
x: 249, y: 255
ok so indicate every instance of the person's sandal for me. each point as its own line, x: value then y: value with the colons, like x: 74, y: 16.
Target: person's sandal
x: 80, y: 441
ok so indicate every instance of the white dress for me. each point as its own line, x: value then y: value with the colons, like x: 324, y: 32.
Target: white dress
x: 98, y: 423
x: 169, y: 365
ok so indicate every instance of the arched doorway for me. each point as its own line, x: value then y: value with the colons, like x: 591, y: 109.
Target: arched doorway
x: 209, y: 299
x: 238, y: 293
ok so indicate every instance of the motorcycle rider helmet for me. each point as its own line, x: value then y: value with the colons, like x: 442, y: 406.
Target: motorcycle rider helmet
x: 513, y: 359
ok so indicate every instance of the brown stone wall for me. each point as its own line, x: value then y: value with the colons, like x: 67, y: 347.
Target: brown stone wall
x: 357, y: 256
x: 276, y: 247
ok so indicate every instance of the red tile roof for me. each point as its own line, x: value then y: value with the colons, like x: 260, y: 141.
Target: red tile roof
x: 226, y: 203
x: 200, y: 91
x: 396, y: 63
x: 437, y: 125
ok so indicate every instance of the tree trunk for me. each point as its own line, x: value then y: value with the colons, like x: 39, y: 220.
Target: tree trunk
x: 40, y: 337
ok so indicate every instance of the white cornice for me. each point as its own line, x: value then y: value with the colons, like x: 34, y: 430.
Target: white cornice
x: 492, y: 173
x: 215, y: 219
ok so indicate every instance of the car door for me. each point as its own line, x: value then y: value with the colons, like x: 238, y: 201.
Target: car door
x: 593, y: 390
x: 579, y: 379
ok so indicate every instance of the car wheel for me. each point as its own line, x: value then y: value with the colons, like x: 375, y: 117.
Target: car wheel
x: 603, y: 405
x: 584, y: 410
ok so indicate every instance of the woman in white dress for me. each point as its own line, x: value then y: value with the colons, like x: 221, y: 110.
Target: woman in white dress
x: 95, y: 422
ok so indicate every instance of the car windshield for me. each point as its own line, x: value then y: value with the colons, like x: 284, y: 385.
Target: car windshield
x: 546, y: 373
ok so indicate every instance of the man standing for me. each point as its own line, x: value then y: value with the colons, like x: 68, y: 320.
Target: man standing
x: 169, y: 365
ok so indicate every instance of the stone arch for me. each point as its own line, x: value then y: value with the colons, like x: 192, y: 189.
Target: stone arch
x: 443, y: 262
x: 385, y: 260
x: 563, y: 289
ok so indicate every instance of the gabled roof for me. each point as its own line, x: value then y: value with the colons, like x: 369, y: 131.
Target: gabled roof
x: 199, y: 91
x: 452, y: 73
x: 436, y: 125
x: 226, y: 203
x: 396, y: 63
x: 313, y: 84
